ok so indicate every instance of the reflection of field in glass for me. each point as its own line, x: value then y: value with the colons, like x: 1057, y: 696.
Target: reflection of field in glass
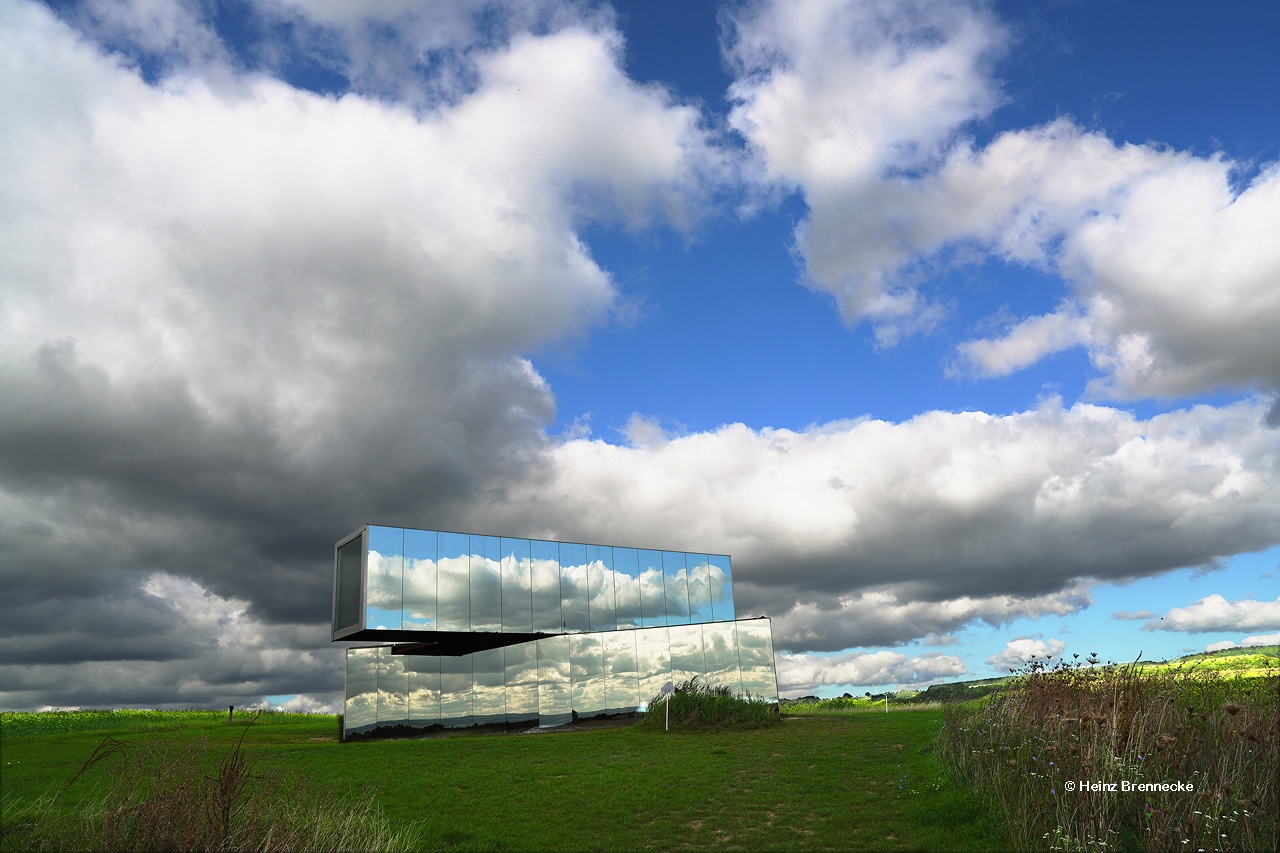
x: 818, y: 783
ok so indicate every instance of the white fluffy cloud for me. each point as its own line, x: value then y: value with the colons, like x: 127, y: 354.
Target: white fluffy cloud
x: 1021, y: 650
x: 862, y: 669
x: 866, y: 531
x: 240, y: 317
x: 1215, y: 613
x: 1170, y: 276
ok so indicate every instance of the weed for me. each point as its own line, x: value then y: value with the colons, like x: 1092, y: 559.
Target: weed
x: 168, y: 797
x: 695, y: 704
x: 1090, y: 727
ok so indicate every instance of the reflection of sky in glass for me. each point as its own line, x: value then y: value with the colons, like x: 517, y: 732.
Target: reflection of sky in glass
x: 384, y: 588
x: 626, y: 587
x: 721, y: 583
x: 490, y: 677
x: 545, y: 570
x: 455, y: 691
x: 453, y: 582
x: 675, y: 577
x: 361, y: 706
x: 653, y: 600
x: 573, y: 587
x: 755, y: 651
x: 653, y: 661
x: 522, y: 682
x: 424, y: 690
x: 517, y: 586
x: 427, y: 580
x: 686, y: 652
x: 548, y: 680
x: 420, y: 552
x: 393, y: 684
x: 587, y: 667
x: 620, y: 673
x: 699, y: 588
x: 424, y: 580
x: 486, y: 583
x: 554, y: 700
x: 600, y: 586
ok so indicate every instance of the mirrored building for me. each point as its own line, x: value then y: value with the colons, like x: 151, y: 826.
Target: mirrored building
x: 476, y: 630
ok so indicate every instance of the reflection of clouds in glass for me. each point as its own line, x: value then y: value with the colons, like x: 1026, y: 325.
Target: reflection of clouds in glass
x: 419, y: 593
x: 384, y: 586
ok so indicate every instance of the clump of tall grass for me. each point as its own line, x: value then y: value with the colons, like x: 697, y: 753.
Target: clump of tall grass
x: 164, y: 797
x: 1044, y: 751
x: 694, y: 704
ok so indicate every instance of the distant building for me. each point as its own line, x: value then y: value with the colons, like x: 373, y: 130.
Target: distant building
x: 485, y: 629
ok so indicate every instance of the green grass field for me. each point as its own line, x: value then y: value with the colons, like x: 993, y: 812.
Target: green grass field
x: 854, y: 782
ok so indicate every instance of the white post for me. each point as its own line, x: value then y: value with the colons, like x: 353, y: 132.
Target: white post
x: 886, y: 701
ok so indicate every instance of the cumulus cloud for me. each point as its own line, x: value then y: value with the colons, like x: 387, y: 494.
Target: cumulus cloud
x: 188, y: 648
x: 1169, y: 279
x: 241, y: 318
x: 798, y: 672
x: 842, y: 100
x: 1021, y: 650
x: 860, y: 532
x: 1215, y: 613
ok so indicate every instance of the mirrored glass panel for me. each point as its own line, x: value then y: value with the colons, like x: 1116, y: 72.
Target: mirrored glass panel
x: 424, y: 690
x: 486, y: 583
x: 346, y: 608
x: 490, y: 677
x: 721, y: 584
x: 453, y: 600
x: 420, y: 552
x: 385, y: 594
x: 361, y: 707
x: 586, y: 658
x: 686, y: 652
x: 554, y: 699
x: 653, y: 600
x: 755, y: 652
x: 604, y: 613
x: 545, y: 571
x: 573, y: 587
x: 455, y: 692
x: 522, y: 682
x: 675, y: 576
x: 517, y: 586
x: 393, y: 689
x: 626, y: 586
x: 621, y: 677
x: 720, y: 648
x: 653, y: 662
x: 699, y: 588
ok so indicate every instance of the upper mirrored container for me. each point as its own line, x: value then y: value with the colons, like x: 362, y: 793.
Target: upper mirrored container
x: 394, y: 583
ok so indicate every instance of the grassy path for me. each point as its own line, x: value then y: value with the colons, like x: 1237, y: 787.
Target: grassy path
x: 863, y: 781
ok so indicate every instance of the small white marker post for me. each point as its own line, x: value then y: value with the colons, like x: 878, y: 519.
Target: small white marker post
x: 667, y: 690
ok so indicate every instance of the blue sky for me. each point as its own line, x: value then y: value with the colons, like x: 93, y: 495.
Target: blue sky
x: 951, y: 322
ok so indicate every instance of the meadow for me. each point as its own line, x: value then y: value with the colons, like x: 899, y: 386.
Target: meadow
x: 813, y: 782
x: 985, y: 774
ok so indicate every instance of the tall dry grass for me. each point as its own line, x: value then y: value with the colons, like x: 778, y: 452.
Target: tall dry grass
x: 1036, y: 750
x: 163, y: 796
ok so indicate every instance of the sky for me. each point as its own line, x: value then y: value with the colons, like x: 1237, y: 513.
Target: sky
x: 952, y: 322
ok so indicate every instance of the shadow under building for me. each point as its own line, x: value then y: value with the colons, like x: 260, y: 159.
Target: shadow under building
x: 477, y: 630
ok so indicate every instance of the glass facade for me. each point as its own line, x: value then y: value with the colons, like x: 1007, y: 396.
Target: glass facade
x: 554, y: 680
x: 507, y: 630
